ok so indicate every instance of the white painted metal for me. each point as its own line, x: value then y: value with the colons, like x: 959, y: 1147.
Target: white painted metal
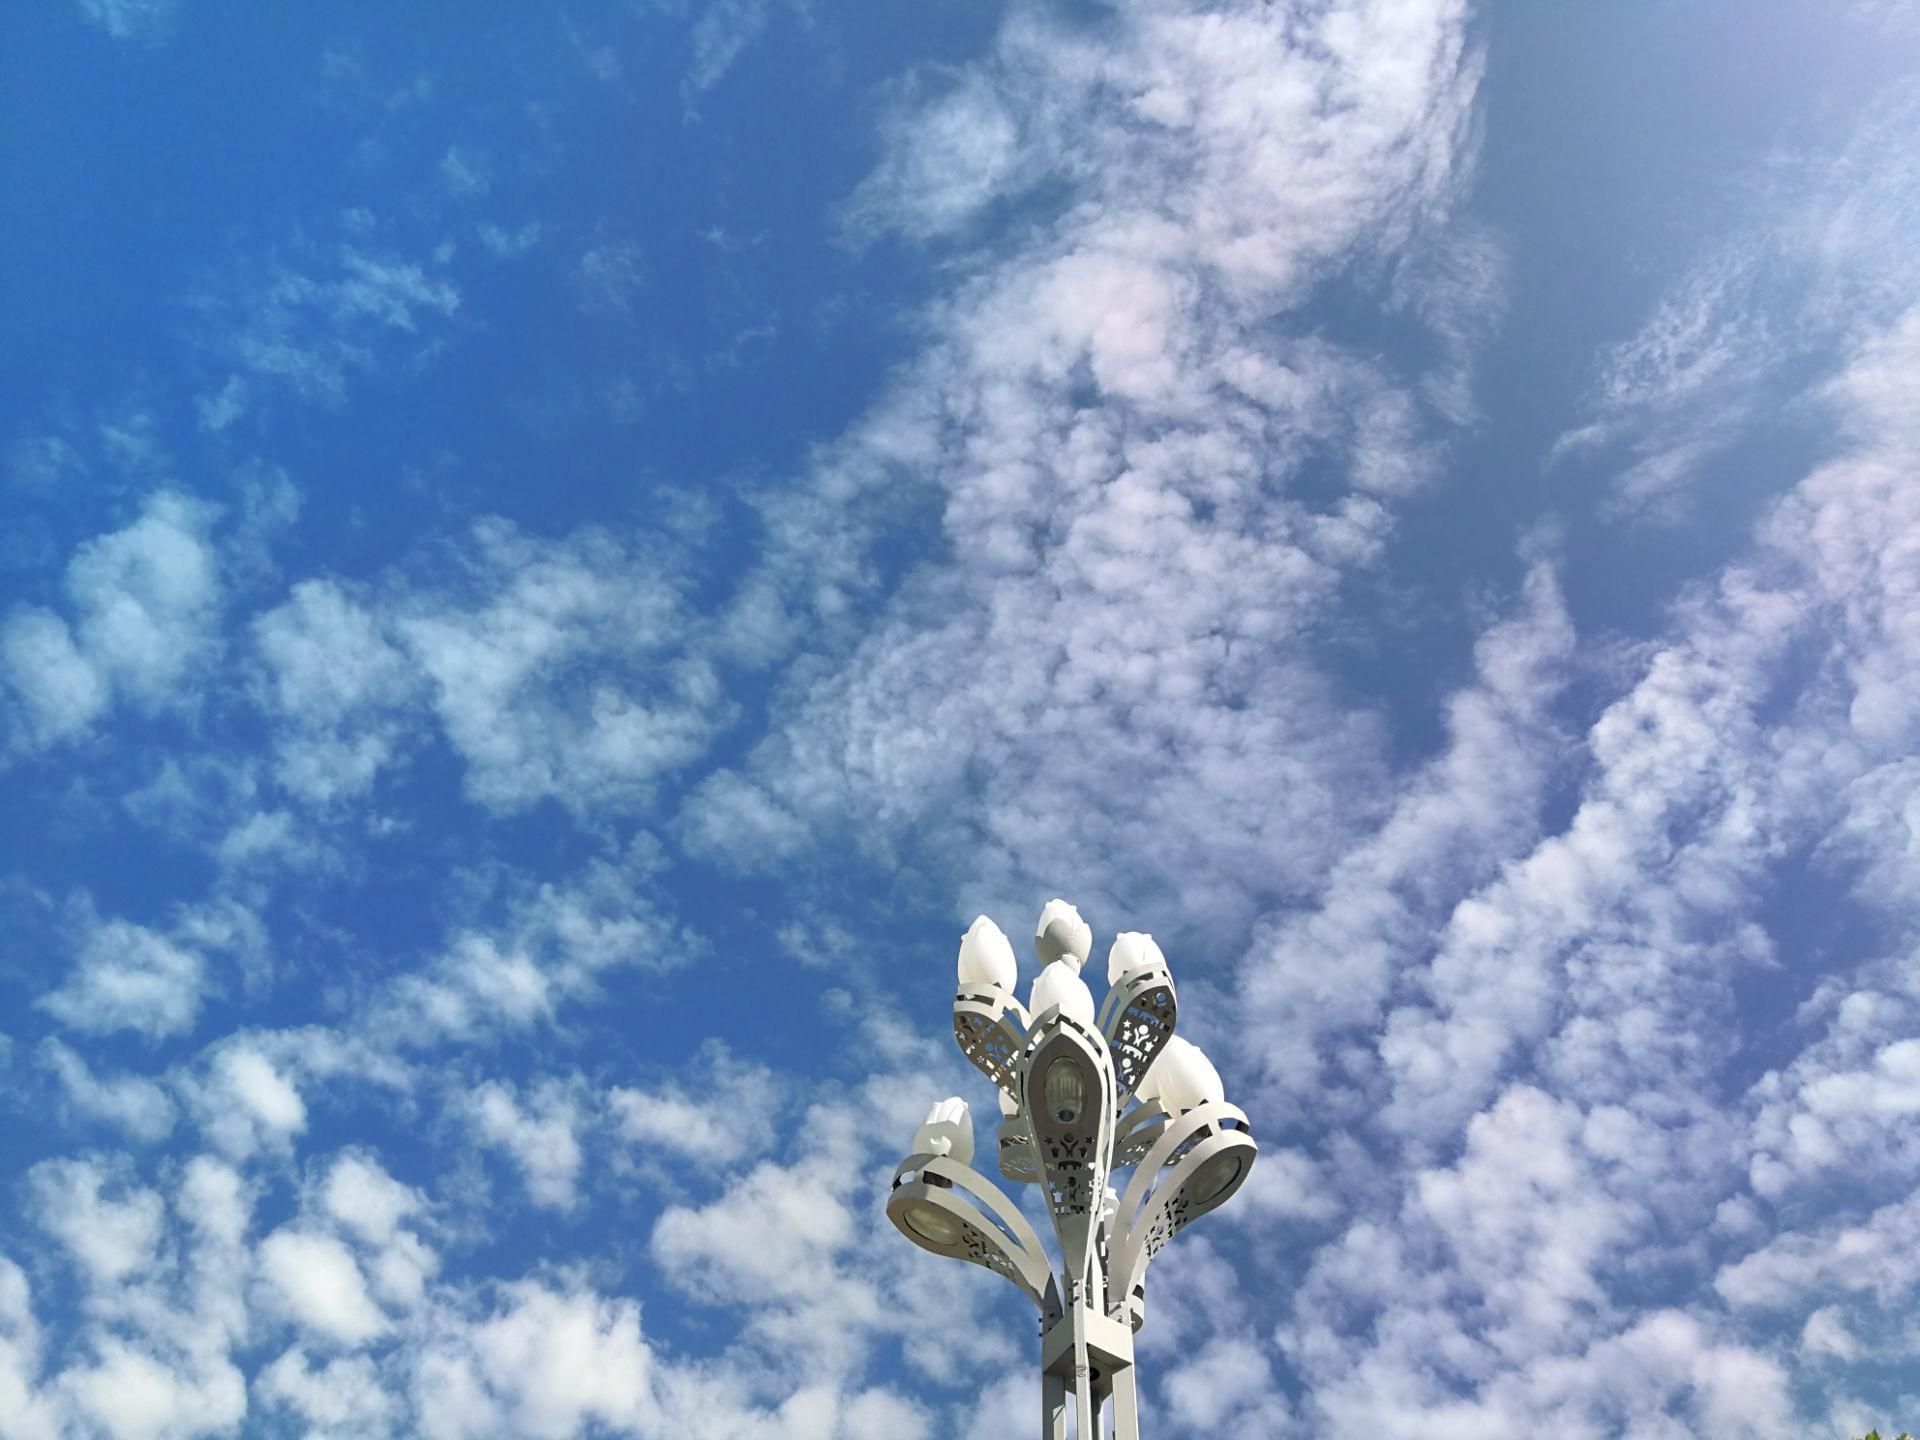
x: 986, y: 957
x: 947, y: 1130
x: 1186, y: 1076
x: 1132, y: 950
x: 1061, y: 933
x: 1059, y: 987
x: 1082, y: 1094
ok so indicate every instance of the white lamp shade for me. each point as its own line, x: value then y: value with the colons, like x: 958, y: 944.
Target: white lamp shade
x: 1183, y: 1077
x: 986, y: 956
x: 1148, y: 1090
x: 1062, y: 935
x: 1060, y: 984
x: 947, y: 1130
x: 1132, y: 950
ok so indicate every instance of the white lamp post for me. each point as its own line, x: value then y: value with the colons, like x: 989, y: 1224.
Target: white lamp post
x: 1084, y: 1094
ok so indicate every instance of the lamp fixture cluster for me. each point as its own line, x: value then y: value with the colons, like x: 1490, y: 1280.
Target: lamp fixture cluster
x: 1084, y: 1093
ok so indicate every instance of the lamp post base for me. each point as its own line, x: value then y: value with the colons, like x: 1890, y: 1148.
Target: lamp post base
x: 1090, y: 1357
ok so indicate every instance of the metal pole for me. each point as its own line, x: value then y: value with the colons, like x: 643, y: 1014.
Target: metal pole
x: 1053, y: 1408
x: 1086, y: 1411
x: 1126, y: 1406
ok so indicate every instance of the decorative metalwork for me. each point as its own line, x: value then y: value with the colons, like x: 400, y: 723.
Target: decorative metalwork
x: 1082, y: 1102
x: 1137, y: 1019
x: 989, y: 1026
x: 1019, y: 1161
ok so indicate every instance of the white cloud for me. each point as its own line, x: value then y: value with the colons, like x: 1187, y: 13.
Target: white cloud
x: 561, y: 671
x: 146, y: 599
x: 27, y: 1413
x: 1599, y: 963
x: 111, y: 1238
x: 1452, y: 823
x: 318, y: 1284
x: 342, y: 1397
x: 545, y: 1363
x: 1228, y: 1383
x: 262, y: 1091
x: 61, y: 688
x: 246, y: 1100
x: 145, y: 20
x: 361, y: 1196
x: 945, y: 159
x: 540, y: 1137
x: 337, y: 311
x: 793, y: 1246
x: 137, y: 1106
x: 554, y: 945
x: 145, y: 613
x: 721, y: 33
x: 1819, y: 261
x: 132, y: 1394
x: 1130, y: 563
x: 1880, y: 1256
x: 724, y: 1115
x: 127, y: 977
x: 332, y: 679
x: 608, y: 277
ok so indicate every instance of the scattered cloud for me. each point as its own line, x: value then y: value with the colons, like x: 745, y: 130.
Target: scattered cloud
x: 1130, y: 559
x: 138, y: 1107
x: 540, y: 1137
x: 316, y: 1280
x: 127, y: 977
x: 143, y: 625
x: 308, y: 323
x: 609, y: 277
x: 138, y: 20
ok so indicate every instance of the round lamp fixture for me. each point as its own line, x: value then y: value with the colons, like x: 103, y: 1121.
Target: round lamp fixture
x: 1216, y: 1177
x: 933, y: 1223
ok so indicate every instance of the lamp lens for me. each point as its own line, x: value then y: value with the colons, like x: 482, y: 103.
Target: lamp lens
x: 934, y: 1224
x: 1216, y: 1177
x: 1064, y: 1091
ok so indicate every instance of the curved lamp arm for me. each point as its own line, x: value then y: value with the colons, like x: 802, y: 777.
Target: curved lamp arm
x: 990, y: 1026
x: 1067, y: 1094
x: 1137, y: 1019
x: 1136, y: 1132
x: 951, y: 1209
x: 1200, y: 1159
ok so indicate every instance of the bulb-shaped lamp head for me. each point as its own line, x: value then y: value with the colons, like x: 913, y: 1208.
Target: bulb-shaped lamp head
x: 1182, y: 1077
x: 1062, y: 935
x: 1060, y: 984
x: 947, y: 1130
x: 1132, y: 950
x: 986, y: 956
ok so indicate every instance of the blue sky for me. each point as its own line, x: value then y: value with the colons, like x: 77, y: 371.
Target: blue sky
x: 554, y: 558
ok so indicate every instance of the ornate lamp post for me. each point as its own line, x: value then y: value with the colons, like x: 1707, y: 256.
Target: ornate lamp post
x: 1083, y: 1096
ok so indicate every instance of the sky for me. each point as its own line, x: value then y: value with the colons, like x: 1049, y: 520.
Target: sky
x: 552, y: 559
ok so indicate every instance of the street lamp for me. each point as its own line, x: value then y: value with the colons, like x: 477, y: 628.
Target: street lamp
x: 1083, y: 1095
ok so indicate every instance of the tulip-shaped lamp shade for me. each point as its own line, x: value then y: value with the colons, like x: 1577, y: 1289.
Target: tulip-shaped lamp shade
x: 1183, y: 1077
x: 986, y: 957
x: 947, y: 1130
x: 1060, y: 985
x: 1133, y: 950
x: 987, y: 1018
x: 1062, y: 935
